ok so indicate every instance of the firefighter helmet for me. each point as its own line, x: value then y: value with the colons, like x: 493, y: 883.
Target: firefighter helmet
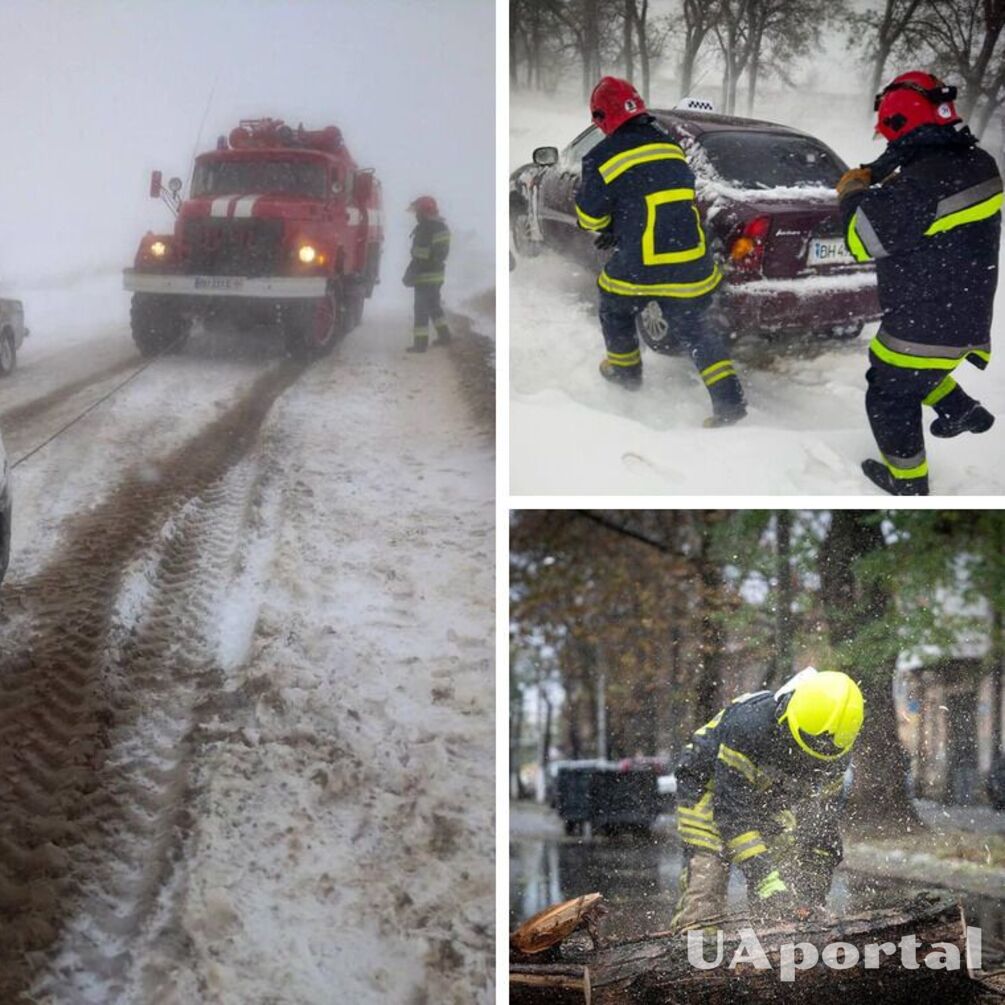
x: 911, y: 100
x: 824, y: 712
x: 613, y: 102
x: 424, y: 206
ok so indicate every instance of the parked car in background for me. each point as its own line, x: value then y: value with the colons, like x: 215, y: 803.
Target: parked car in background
x: 12, y: 334
x: 5, y: 511
x: 770, y: 211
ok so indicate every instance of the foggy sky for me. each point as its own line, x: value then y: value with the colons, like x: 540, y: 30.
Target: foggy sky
x: 97, y: 93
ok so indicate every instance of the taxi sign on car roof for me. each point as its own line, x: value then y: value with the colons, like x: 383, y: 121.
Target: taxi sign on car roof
x: 695, y: 105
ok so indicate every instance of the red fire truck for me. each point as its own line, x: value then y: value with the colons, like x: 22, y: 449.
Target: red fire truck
x: 281, y: 227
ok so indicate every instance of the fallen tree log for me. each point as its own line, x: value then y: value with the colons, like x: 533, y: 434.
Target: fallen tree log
x: 912, y: 953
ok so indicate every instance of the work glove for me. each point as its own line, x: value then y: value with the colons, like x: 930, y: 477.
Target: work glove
x: 604, y: 240
x: 854, y: 180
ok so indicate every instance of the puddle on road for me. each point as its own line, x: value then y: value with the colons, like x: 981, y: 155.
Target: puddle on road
x: 638, y: 878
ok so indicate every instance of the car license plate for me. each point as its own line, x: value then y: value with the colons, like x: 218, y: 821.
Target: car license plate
x: 829, y: 251
x: 219, y: 282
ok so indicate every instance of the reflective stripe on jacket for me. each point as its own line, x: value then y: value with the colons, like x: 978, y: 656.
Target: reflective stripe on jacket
x: 933, y: 229
x: 637, y: 183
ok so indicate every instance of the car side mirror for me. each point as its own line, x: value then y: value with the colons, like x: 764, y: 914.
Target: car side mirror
x: 362, y: 190
x: 175, y: 186
x: 546, y: 156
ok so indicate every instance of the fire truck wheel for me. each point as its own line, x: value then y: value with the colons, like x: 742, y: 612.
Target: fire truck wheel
x: 158, y: 325
x: 312, y: 328
x: 8, y: 352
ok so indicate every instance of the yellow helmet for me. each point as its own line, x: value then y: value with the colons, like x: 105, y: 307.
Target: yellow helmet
x: 824, y: 714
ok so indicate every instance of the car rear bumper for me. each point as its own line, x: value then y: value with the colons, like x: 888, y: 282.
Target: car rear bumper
x: 810, y: 303
x: 259, y: 288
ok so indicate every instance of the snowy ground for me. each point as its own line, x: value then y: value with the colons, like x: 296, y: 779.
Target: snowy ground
x: 246, y: 665
x: 806, y: 434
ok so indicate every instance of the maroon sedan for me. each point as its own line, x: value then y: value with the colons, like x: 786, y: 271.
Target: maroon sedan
x: 767, y: 196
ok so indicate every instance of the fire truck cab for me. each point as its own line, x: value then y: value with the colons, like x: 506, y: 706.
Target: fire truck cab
x: 281, y: 227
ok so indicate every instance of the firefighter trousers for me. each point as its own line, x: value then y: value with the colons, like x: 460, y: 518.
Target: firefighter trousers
x: 686, y: 322
x: 429, y: 313
x: 704, y: 880
x: 893, y: 402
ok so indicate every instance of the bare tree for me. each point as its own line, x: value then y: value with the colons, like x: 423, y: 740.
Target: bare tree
x: 883, y: 29
x: 699, y: 17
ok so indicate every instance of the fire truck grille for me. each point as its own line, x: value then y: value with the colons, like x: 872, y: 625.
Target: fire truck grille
x: 229, y: 247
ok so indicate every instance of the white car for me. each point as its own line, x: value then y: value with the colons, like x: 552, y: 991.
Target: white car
x: 5, y: 510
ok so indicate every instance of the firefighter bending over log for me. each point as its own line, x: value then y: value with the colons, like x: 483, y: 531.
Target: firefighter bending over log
x: 425, y: 273
x: 761, y: 787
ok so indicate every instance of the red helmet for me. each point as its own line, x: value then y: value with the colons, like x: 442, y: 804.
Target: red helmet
x: 614, y: 101
x: 911, y: 100
x: 424, y: 205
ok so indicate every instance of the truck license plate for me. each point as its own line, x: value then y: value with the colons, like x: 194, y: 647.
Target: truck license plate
x: 219, y: 282
x: 829, y: 251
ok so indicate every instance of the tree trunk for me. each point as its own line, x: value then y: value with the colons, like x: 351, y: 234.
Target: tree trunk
x: 516, y: 736
x: 642, y: 31
x: 784, y: 626
x: 629, y: 39
x: 879, y: 797
x: 710, y: 662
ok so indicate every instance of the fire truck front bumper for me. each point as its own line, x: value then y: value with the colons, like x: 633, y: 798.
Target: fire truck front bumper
x: 262, y: 287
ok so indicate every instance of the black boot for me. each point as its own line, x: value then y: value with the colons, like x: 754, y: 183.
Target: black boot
x: 629, y: 377
x: 726, y: 416
x: 879, y: 474
x: 976, y: 419
x: 443, y: 336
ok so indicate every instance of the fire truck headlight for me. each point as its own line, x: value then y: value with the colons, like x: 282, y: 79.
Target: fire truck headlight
x: 307, y: 254
x: 158, y: 249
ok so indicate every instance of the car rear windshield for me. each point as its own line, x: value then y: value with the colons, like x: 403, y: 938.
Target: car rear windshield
x: 292, y: 177
x: 770, y: 160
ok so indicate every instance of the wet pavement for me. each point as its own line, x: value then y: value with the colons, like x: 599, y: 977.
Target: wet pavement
x: 638, y: 877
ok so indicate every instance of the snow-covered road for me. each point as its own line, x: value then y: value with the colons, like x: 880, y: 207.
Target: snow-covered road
x: 246, y: 664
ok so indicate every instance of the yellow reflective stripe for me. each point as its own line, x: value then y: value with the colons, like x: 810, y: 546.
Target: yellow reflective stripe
x: 947, y: 385
x: 744, y: 838
x: 695, y: 289
x: 707, y: 372
x: 697, y: 814
x: 697, y: 829
x: 910, y: 362
x: 972, y: 214
x: 712, y: 723
x: 420, y: 253
x: 854, y: 242
x: 429, y: 278
x: 772, y: 883
x: 588, y: 222
x: 980, y: 354
x: 624, y: 358
x: 720, y: 376
x: 441, y: 238
x: 703, y: 843
x: 645, y: 154
x: 739, y: 762
x: 649, y: 254
x: 919, y: 471
x: 758, y: 849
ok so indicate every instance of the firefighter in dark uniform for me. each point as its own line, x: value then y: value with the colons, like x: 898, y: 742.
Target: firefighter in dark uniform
x: 761, y: 787
x: 425, y: 273
x: 637, y: 193
x: 928, y: 211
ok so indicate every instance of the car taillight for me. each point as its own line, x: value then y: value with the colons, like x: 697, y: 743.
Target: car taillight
x: 746, y: 253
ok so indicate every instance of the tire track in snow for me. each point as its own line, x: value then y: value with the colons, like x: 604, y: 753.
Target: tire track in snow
x: 95, y: 707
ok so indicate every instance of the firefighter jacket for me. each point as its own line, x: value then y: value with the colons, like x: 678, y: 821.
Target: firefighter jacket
x: 430, y: 248
x: 933, y: 229
x: 742, y: 782
x: 637, y: 185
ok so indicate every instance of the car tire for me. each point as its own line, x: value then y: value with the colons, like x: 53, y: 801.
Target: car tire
x: 8, y: 353
x: 5, y: 535
x: 312, y: 327
x: 653, y: 331
x: 158, y: 326
x: 520, y: 231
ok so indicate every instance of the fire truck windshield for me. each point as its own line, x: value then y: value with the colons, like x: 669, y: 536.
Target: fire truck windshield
x: 293, y: 177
